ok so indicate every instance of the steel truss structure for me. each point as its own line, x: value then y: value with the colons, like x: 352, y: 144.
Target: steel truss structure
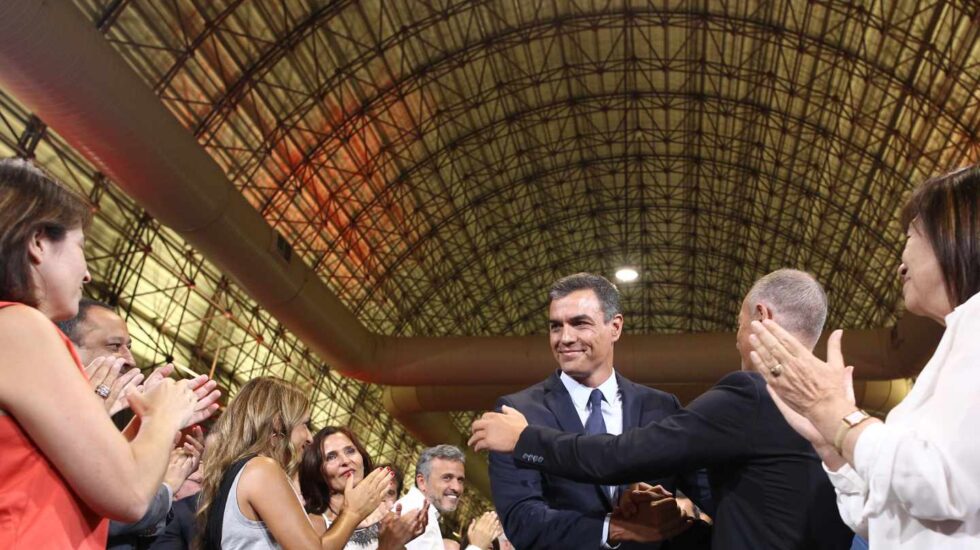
x: 181, y: 309
x: 439, y: 163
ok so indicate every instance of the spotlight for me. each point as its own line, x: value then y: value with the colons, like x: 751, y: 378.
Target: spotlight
x: 626, y: 275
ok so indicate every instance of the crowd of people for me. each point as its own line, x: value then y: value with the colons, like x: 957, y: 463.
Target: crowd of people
x: 97, y: 455
x: 775, y: 455
x: 792, y: 462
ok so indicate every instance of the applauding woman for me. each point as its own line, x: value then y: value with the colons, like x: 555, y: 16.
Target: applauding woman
x: 333, y: 464
x: 247, y: 500
x: 911, y: 481
x: 64, y: 467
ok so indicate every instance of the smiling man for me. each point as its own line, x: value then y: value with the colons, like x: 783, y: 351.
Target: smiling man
x: 585, y: 395
x: 439, y: 479
x: 768, y: 486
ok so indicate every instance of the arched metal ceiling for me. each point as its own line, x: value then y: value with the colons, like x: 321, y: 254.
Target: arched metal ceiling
x: 439, y: 163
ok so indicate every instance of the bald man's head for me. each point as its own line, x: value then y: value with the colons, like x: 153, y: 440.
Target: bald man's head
x: 792, y: 298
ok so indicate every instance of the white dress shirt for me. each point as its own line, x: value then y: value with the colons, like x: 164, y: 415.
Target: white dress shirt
x: 431, y: 538
x: 612, y: 414
x: 916, y: 478
x: 612, y: 402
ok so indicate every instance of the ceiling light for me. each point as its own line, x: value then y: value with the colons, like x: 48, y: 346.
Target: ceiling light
x: 626, y: 275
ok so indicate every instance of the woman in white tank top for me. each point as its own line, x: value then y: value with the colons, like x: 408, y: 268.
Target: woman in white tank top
x: 246, y: 499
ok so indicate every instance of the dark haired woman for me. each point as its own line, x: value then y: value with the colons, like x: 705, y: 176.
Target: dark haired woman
x: 913, y: 480
x: 334, y: 459
x: 64, y: 467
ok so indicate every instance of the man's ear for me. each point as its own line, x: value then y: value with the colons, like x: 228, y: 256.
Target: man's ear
x: 420, y: 482
x: 617, y: 327
x: 762, y: 312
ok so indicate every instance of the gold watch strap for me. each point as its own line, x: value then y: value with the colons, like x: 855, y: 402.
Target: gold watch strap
x: 845, y: 426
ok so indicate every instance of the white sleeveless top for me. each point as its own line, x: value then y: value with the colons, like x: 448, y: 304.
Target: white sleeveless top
x: 240, y: 533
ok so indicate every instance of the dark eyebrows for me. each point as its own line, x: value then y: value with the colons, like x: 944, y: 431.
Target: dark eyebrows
x: 574, y: 320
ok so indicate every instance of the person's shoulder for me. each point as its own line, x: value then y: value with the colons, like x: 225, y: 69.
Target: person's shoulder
x: 529, y: 395
x: 262, y: 469
x: 625, y: 384
x: 743, y: 378
x: 747, y: 382
x: 30, y: 335
x: 644, y: 392
x: 261, y: 475
x: 21, y: 320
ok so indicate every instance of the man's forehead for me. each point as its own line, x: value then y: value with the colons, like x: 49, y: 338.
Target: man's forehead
x: 104, y: 320
x: 444, y: 465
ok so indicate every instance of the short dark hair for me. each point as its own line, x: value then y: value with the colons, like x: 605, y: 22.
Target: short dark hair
x: 948, y: 209
x: 70, y: 326
x: 315, y: 489
x: 31, y: 202
x: 607, y: 292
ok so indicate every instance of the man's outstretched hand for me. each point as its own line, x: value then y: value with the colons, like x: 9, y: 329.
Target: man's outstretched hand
x: 498, y: 431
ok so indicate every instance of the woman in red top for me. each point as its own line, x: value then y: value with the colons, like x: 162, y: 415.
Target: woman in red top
x: 64, y: 467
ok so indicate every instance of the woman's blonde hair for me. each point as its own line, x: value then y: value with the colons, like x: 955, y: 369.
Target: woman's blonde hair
x: 259, y: 420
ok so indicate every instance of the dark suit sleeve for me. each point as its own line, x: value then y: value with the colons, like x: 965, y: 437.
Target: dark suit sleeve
x: 716, y: 427
x: 694, y: 483
x: 152, y: 520
x: 529, y: 522
x: 180, y: 530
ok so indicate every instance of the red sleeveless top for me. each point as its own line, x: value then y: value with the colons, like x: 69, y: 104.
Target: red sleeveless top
x: 38, y: 508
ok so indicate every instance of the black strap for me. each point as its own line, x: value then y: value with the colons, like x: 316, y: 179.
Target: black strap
x: 216, y: 515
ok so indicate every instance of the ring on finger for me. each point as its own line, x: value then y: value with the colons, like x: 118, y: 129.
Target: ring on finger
x: 776, y: 370
x: 102, y: 391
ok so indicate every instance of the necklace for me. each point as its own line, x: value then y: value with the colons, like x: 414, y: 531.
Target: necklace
x: 362, y: 536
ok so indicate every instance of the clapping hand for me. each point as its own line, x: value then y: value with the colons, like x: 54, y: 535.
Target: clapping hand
x: 104, y: 372
x: 397, y: 529
x: 484, y: 530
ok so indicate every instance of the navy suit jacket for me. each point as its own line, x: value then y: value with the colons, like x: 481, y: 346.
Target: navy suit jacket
x: 545, y: 511
x: 179, y: 534
x: 769, y: 488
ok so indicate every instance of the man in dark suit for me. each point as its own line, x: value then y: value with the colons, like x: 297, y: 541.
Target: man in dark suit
x: 542, y: 510
x: 769, y: 488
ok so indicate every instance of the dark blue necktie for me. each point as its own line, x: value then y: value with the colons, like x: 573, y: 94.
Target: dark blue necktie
x: 595, y: 424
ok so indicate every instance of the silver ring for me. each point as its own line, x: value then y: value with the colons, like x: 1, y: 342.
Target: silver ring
x: 776, y: 370
x: 102, y: 391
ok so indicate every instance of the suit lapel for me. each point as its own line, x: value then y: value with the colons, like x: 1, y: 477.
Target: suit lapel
x: 558, y: 401
x: 631, y: 403
x: 560, y: 404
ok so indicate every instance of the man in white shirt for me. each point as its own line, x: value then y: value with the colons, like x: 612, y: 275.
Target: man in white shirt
x: 439, y: 479
x: 585, y: 395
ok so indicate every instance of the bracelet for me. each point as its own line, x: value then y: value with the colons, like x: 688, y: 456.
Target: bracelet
x: 849, y: 421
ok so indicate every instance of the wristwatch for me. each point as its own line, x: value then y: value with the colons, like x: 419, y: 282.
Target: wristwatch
x: 846, y: 423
